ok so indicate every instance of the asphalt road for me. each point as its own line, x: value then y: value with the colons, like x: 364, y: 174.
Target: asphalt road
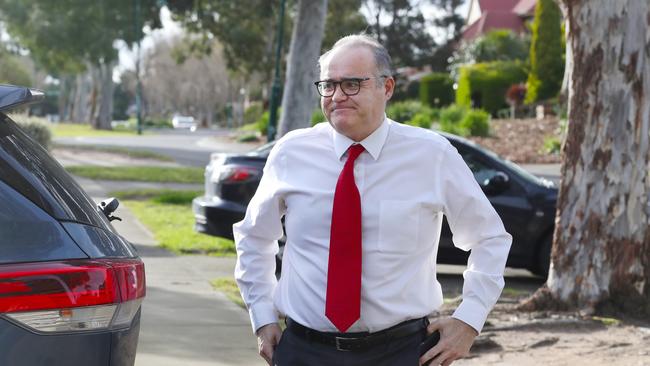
x: 185, y: 147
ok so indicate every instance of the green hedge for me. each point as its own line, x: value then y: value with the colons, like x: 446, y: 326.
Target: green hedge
x: 462, y: 121
x: 484, y: 85
x: 412, y: 112
x: 317, y: 116
x: 437, y: 89
x: 476, y: 122
x: 253, y: 113
x: 546, y: 53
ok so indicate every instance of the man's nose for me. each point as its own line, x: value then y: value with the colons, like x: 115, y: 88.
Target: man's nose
x: 339, y: 94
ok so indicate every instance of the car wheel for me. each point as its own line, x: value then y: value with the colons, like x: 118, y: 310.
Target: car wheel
x: 543, y: 261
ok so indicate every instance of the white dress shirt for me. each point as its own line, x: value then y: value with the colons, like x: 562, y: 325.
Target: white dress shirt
x: 407, y: 178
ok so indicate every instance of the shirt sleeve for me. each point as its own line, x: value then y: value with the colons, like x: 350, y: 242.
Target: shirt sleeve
x: 256, y: 241
x: 476, y: 227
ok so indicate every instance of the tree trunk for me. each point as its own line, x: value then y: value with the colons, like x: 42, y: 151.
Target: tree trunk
x: 299, y: 97
x: 601, y: 254
x: 82, y: 96
x: 66, y: 97
x: 104, y: 115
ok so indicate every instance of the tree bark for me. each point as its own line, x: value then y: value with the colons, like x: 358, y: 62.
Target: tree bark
x: 601, y: 254
x: 104, y: 113
x: 299, y: 98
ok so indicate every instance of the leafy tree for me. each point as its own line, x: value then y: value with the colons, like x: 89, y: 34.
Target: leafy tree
x: 12, y: 71
x: 546, y: 53
x: 496, y: 45
x: 73, y: 36
x: 242, y: 27
x: 405, y: 36
x: 343, y: 18
x: 451, y: 23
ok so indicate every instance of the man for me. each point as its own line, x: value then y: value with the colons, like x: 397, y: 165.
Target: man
x: 362, y: 199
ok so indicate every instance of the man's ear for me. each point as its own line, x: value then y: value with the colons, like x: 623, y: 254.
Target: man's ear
x: 389, y: 87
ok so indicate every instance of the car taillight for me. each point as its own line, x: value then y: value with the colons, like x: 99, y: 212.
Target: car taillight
x: 231, y: 174
x: 75, y: 295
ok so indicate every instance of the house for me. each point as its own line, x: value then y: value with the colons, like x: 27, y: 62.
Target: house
x: 486, y: 15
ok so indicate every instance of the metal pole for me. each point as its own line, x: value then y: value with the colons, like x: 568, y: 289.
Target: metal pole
x: 138, y: 91
x: 275, y: 90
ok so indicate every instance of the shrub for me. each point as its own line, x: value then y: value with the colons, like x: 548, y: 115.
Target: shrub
x: 263, y: 122
x: 157, y: 123
x: 476, y: 122
x: 552, y: 145
x: 253, y: 113
x: 485, y: 85
x: 405, y: 111
x: 423, y: 120
x: 546, y: 52
x: 436, y: 89
x: 317, y: 116
x: 453, y: 114
x: 450, y: 119
x: 249, y: 137
x: 36, y: 128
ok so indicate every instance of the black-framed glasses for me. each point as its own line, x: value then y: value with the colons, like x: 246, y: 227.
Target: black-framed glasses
x: 349, y: 87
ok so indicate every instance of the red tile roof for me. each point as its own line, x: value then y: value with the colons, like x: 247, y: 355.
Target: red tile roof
x: 493, y: 20
x: 497, y: 5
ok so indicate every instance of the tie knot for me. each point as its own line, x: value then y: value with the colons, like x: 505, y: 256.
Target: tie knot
x: 354, y: 151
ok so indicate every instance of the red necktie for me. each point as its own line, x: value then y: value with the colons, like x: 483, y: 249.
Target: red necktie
x: 343, y: 300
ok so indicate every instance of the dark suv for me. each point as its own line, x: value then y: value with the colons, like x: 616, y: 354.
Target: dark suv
x: 525, y: 203
x: 70, y: 286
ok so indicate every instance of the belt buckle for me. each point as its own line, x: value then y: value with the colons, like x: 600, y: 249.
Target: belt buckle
x: 340, y: 343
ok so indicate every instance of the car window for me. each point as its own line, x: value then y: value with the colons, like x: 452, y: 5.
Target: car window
x: 28, y: 234
x: 482, y: 172
x: 29, y: 169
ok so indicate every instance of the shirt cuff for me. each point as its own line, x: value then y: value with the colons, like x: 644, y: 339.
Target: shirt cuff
x: 262, y: 314
x: 473, y: 313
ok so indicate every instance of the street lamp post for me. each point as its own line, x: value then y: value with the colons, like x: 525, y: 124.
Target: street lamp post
x: 138, y: 89
x: 275, y: 90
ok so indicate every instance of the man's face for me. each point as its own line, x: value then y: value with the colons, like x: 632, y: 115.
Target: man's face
x: 355, y: 116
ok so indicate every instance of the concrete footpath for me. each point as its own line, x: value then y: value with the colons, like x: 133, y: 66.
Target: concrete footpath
x: 184, y: 320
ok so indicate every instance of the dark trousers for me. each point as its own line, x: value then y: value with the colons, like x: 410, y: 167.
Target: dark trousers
x: 296, y: 351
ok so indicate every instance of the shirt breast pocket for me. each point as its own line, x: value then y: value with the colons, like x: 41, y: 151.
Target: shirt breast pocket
x: 401, y: 225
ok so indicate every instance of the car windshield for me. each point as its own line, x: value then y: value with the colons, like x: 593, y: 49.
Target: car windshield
x: 263, y: 150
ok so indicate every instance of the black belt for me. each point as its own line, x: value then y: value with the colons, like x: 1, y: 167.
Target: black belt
x: 358, y: 341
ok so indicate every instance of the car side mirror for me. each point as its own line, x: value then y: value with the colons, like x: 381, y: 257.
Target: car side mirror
x: 108, y: 206
x: 496, y: 184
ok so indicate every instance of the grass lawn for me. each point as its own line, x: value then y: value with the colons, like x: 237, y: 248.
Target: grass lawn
x: 142, y: 154
x: 76, y: 130
x: 168, y: 215
x: 228, y: 286
x: 140, y: 173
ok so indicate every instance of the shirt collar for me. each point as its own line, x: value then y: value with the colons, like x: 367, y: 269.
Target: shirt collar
x: 373, y: 143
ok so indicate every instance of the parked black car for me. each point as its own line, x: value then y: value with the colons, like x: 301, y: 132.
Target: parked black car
x: 525, y: 202
x: 70, y: 286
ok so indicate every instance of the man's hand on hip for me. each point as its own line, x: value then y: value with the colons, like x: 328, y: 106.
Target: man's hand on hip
x: 268, y: 337
x: 456, y: 338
